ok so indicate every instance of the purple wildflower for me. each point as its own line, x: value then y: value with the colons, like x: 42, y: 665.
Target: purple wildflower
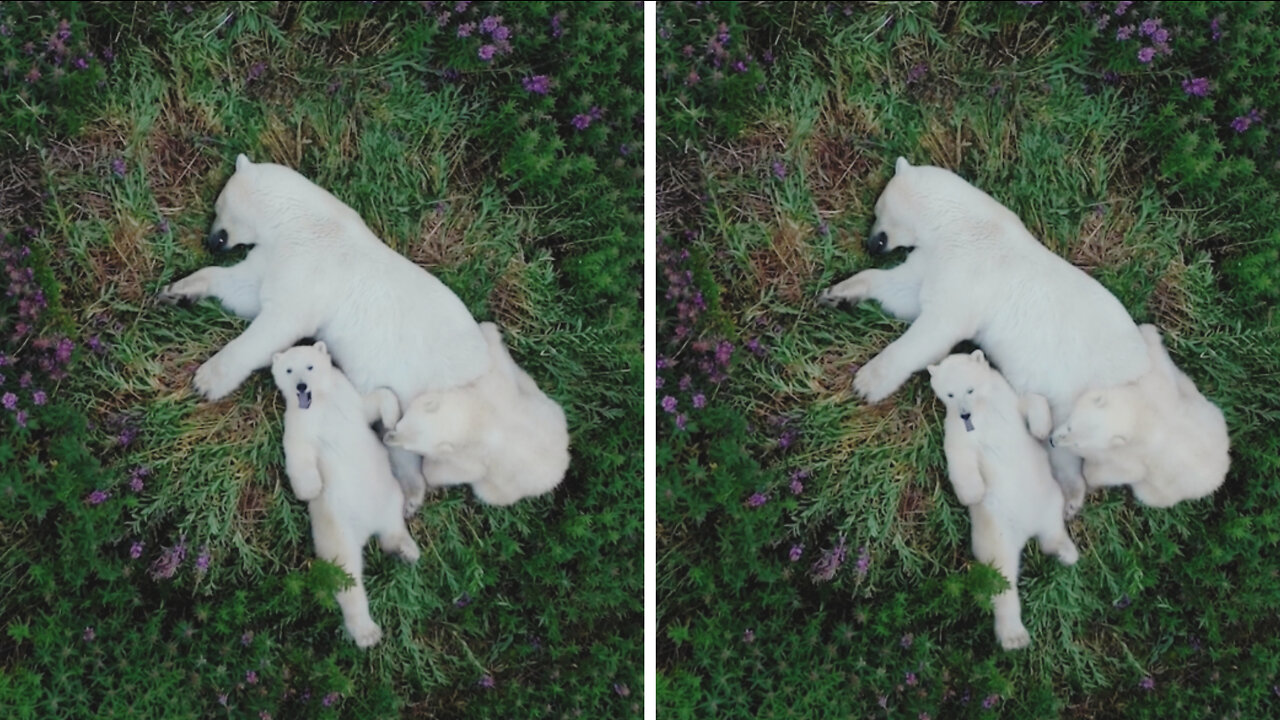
x: 264, y: 715
x: 659, y: 382
x: 757, y: 499
x: 740, y: 66
x: 581, y: 121
x: 1148, y: 683
x: 1215, y: 29
x: 906, y: 641
x: 1160, y: 36
x: 622, y: 690
x: 1124, y: 33
x: 202, y: 560
x: 246, y: 638
x: 251, y: 677
x: 463, y: 600
x: 681, y: 421
x: 117, y: 167
x: 1146, y: 54
x: 39, y: 398
x: 21, y: 418
x: 796, y: 552
x: 917, y: 73
x: 34, y: 75
x: 911, y: 679
x: 256, y: 70
x: 699, y: 401
x: 787, y: 439
x: 779, y: 169
x: 864, y: 562
x: 97, y: 497
x: 10, y: 401
x: 465, y: 29
x: 1148, y: 27
x: 1241, y: 124
x: 990, y: 701
x: 486, y: 52
x: 724, y: 350
x: 557, y: 29
x: 167, y: 564
x: 826, y: 566
x: 748, y: 636
x: 486, y: 681
x: 490, y: 23
x: 135, y: 550
x: 1123, y: 6
x: 539, y: 84
x: 330, y: 699
x: 797, y: 487
x: 501, y: 33
x: 1198, y: 87
x: 89, y: 634
x: 669, y: 403
x: 462, y: 6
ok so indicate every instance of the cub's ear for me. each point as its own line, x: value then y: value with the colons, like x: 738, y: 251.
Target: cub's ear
x: 901, y: 165
x: 979, y: 356
x: 1100, y: 401
x: 321, y: 348
x: 242, y: 162
x: 276, y: 357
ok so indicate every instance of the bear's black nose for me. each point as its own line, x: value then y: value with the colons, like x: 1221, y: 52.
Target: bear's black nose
x: 302, y: 387
x: 878, y: 243
x: 1052, y: 444
x: 216, y: 241
x: 964, y: 416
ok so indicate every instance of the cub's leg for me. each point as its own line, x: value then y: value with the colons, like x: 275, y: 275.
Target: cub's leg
x: 335, y: 544
x: 993, y: 545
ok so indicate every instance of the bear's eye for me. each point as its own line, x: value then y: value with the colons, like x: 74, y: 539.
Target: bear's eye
x: 951, y: 395
x: 288, y: 371
x: 311, y: 368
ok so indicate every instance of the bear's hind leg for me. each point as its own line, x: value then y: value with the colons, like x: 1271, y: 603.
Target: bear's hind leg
x: 992, y: 544
x: 335, y: 544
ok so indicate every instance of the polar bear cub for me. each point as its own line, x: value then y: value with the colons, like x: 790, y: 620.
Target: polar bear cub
x: 1001, y: 472
x: 336, y: 464
x: 1158, y: 434
x: 500, y: 433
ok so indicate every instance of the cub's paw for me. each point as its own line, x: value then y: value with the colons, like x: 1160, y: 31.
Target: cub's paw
x: 1014, y: 637
x: 366, y: 634
x: 409, y: 551
x: 1071, y: 507
x: 413, y: 501
x: 873, y: 382
x: 1069, y: 555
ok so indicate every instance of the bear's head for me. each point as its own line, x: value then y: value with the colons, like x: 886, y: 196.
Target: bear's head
x: 257, y: 200
x: 236, y: 211
x: 438, y: 423
x: 1100, y: 420
x: 963, y: 384
x: 920, y: 203
x: 301, y: 373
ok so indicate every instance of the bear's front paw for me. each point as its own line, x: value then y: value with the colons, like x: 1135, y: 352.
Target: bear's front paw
x: 211, y: 381
x: 873, y: 382
x: 1013, y: 636
x: 366, y: 634
x: 853, y: 291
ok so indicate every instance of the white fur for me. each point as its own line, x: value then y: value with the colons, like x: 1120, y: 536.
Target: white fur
x: 1001, y: 472
x: 1157, y: 434
x: 316, y: 270
x: 336, y: 463
x: 977, y: 274
x: 500, y: 433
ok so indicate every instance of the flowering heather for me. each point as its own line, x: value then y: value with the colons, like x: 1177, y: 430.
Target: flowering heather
x: 202, y: 560
x: 796, y: 552
x: 1146, y: 54
x: 487, y: 682
x: 682, y: 421
x: 1124, y: 33
x: 251, y: 677
x: 1199, y: 87
x: 89, y: 634
x: 864, y: 562
x: 118, y: 167
x: 1147, y: 683
x: 779, y: 169
x: 466, y: 29
x: 539, y: 84
x: 826, y: 567
x: 97, y: 497
x: 167, y: 564
x: 330, y: 699
x: 256, y: 70
x: 757, y: 499
x: 669, y: 404
x: 699, y: 401
x: 10, y: 401
x: 39, y: 398
x: 748, y: 636
x: 581, y: 121
x: 990, y: 701
x: 135, y: 550
x: 486, y: 52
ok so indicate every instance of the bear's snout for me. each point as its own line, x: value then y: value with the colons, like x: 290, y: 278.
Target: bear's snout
x: 878, y: 243
x: 216, y: 241
x: 302, y: 387
x: 965, y: 416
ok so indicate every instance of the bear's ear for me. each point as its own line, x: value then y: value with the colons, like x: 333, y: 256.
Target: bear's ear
x: 242, y: 162
x: 932, y: 369
x: 901, y: 165
x: 1119, y: 440
x: 321, y: 348
x: 979, y: 356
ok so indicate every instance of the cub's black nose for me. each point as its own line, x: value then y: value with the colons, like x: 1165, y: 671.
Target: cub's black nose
x: 216, y: 241
x: 878, y: 243
x: 302, y: 387
x: 964, y: 416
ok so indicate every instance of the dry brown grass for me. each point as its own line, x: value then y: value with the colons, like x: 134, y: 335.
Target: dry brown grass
x: 786, y: 265
x: 509, y: 299
x: 126, y: 263
x: 179, y: 164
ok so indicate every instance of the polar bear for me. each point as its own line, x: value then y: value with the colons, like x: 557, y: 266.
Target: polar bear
x: 1158, y: 434
x: 1001, y: 472
x: 316, y: 271
x: 499, y: 433
x: 976, y: 273
x: 337, y: 465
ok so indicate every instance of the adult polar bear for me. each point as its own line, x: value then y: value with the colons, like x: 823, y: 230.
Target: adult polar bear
x: 976, y: 273
x: 316, y: 270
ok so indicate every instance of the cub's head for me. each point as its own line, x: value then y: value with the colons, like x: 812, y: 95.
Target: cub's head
x: 301, y: 372
x: 962, y: 383
x: 1099, y: 420
x: 437, y: 423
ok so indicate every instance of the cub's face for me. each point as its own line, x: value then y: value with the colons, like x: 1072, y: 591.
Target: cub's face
x: 1100, y: 420
x: 437, y: 423
x: 962, y: 383
x: 302, y: 371
x: 237, y: 212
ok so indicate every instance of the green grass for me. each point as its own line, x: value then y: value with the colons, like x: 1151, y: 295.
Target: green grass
x: 767, y: 180
x: 533, y: 223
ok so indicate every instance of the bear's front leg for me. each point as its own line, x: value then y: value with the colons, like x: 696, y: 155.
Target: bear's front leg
x: 896, y: 289
x: 237, y: 287
x: 927, y: 341
x: 301, y: 464
x: 269, y: 333
x: 962, y: 466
